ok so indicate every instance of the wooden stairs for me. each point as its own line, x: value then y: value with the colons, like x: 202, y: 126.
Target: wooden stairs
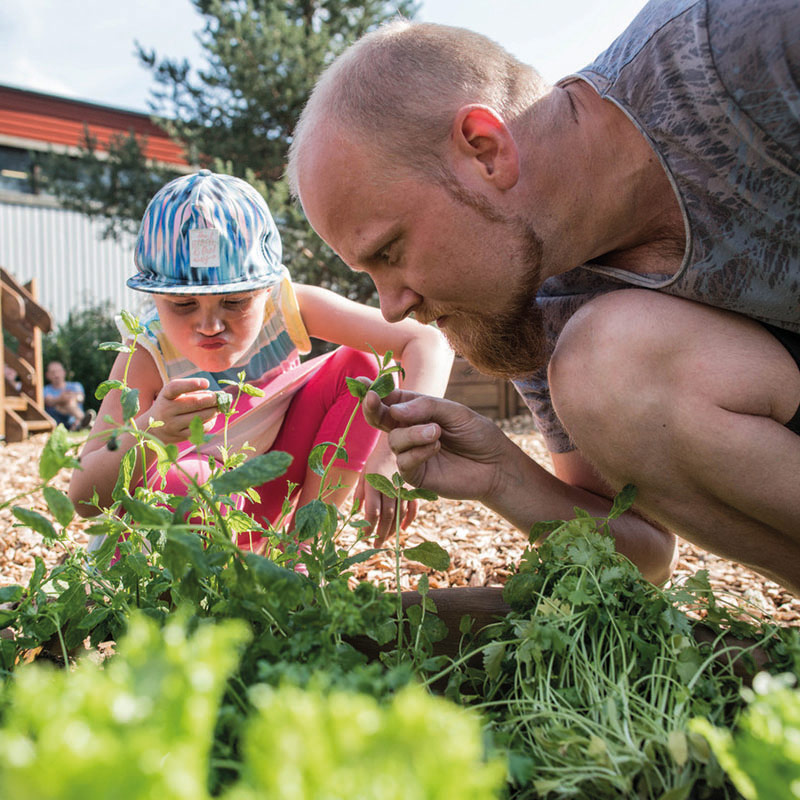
x: 22, y: 398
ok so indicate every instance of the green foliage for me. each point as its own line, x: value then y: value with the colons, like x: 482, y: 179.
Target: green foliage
x: 598, y: 668
x: 762, y: 756
x: 235, y: 113
x: 75, y: 343
x: 247, y: 680
x: 306, y: 744
x: 138, y: 728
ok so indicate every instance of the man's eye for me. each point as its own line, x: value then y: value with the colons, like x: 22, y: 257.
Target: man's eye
x: 235, y: 304
x: 388, y: 255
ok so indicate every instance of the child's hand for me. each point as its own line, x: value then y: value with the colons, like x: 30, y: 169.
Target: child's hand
x: 379, y: 510
x: 177, y: 404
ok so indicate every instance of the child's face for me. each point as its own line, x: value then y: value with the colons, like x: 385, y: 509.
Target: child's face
x: 213, y: 331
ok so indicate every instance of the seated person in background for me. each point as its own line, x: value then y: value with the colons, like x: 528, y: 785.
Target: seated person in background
x: 63, y: 399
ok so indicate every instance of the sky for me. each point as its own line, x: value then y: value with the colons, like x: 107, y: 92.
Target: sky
x: 85, y: 49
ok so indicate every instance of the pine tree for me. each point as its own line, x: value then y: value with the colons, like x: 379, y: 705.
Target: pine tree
x: 234, y: 114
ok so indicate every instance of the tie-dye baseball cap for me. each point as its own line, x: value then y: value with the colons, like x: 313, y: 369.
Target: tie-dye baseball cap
x: 207, y: 233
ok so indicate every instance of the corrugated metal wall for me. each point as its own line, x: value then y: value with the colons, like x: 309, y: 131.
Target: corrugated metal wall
x: 75, y: 268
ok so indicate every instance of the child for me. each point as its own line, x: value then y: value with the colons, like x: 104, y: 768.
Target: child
x: 210, y: 254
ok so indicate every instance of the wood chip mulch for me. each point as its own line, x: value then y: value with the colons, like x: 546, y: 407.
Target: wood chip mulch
x: 483, y: 547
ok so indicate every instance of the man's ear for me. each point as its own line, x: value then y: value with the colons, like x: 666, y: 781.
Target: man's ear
x: 480, y: 134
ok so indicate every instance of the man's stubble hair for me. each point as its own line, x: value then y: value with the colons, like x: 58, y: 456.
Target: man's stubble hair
x: 510, y: 344
x: 399, y: 87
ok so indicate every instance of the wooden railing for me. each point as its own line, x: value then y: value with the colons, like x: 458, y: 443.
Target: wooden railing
x: 22, y: 394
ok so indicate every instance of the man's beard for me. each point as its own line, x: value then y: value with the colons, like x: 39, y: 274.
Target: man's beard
x: 508, y: 345
x: 512, y: 343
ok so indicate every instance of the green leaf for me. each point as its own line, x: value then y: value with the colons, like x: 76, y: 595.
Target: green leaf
x: 364, y: 555
x: 126, y: 467
x: 382, y: 484
x: 197, y: 434
x: 105, y: 387
x: 418, y: 494
x: 35, y: 521
x: 314, y: 518
x: 382, y: 385
x: 131, y: 323
x: 54, y: 456
x: 430, y: 554
x: 272, y: 576
x: 493, y: 658
x: 257, y: 471
x: 129, y: 400
x: 115, y: 346
x: 253, y: 391
x: 224, y: 402
x: 623, y: 501
x: 356, y: 388
x: 10, y: 594
x: 60, y: 505
x: 316, y: 457
x: 539, y: 529
x: 145, y: 514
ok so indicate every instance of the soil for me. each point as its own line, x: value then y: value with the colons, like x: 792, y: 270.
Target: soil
x: 483, y: 547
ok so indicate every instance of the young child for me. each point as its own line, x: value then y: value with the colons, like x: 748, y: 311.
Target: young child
x: 209, y: 253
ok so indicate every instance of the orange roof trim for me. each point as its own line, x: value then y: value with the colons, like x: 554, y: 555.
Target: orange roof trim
x: 59, y: 121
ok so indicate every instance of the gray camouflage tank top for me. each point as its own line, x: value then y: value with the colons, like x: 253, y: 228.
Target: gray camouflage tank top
x: 713, y: 86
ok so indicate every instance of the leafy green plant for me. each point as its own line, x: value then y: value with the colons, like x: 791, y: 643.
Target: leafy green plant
x: 762, y: 756
x: 141, y: 727
x: 591, y: 681
x: 586, y: 688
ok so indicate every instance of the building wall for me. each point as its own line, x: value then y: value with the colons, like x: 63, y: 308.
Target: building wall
x: 75, y: 268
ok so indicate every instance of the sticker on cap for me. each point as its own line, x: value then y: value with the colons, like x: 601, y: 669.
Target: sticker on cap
x: 204, y: 248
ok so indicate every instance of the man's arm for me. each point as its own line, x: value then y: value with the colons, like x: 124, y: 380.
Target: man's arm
x: 450, y: 449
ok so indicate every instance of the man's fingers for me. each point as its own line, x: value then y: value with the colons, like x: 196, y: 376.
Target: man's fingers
x: 403, y: 439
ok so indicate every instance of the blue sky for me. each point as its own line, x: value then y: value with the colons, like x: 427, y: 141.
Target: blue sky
x: 86, y: 49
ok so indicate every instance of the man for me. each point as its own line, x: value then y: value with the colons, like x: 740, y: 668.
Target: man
x: 625, y: 245
x: 63, y: 399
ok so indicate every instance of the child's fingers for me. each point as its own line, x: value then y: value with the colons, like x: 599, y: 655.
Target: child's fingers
x: 183, y: 386
x: 410, y: 513
x: 380, y: 513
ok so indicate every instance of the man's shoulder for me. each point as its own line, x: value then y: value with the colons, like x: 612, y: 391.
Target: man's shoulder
x: 659, y: 20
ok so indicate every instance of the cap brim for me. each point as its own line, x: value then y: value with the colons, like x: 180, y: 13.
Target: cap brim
x: 145, y: 283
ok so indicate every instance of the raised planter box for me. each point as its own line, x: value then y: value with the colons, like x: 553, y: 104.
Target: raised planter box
x: 492, y: 397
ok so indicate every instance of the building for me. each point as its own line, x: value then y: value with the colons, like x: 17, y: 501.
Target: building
x: 64, y: 250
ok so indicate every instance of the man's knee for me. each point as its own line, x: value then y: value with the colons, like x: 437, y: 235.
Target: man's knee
x: 610, y: 362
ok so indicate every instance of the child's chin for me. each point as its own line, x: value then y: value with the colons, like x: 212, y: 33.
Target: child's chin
x: 214, y: 363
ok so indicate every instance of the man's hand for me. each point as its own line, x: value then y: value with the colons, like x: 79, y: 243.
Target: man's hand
x: 441, y: 445
x: 177, y: 404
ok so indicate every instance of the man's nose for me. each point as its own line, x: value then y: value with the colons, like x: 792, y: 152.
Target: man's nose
x: 397, y: 304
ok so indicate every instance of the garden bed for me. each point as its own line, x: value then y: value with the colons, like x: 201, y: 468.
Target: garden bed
x: 483, y: 548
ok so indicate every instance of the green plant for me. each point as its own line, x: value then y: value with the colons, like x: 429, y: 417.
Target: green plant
x: 586, y: 688
x: 140, y: 728
x: 762, y: 755
x: 591, y: 680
